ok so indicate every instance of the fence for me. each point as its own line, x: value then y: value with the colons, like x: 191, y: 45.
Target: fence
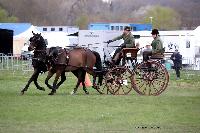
x: 13, y: 63
x: 188, y: 63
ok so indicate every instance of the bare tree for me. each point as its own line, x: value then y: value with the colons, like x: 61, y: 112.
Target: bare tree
x: 81, y: 12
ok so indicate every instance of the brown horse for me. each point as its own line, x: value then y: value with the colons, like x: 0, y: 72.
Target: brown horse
x: 77, y: 60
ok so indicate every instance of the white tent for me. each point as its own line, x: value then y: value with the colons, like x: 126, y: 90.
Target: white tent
x: 54, y: 39
x: 197, y: 35
x: 28, y: 33
x: 20, y: 39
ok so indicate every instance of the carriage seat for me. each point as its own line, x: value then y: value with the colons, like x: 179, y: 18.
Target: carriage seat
x: 130, y: 52
x: 157, y: 56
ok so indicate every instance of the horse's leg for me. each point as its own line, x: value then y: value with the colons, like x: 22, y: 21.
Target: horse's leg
x: 58, y: 73
x: 100, y: 78
x: 80, y: 74
x: 50, y: 74
x: 36, y: 83
x: 98, y: 75
x: 94, y: 75
x: 82, y: 78
x: 75, y: 72
x: 34, y: 75
x: 94, y: 81
x: 76, y: 87
x: 63, y: 78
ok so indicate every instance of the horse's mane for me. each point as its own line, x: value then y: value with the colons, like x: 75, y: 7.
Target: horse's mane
x: 42, y: 40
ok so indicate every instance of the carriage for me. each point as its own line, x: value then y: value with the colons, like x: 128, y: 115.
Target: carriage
x: 146, y: 78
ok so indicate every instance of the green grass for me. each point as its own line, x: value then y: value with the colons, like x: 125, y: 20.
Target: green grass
x: 176, y: 110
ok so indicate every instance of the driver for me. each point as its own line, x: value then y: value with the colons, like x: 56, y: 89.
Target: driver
x: 157, y: 46
x: 129, y: 42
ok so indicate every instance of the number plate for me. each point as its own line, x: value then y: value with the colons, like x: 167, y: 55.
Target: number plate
x: 128, y: 55
x: 125, y: 82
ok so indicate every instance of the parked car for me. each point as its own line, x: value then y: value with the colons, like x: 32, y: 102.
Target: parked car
x: 25, y: 55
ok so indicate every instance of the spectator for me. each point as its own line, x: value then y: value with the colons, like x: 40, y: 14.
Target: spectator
x: 176, y: 57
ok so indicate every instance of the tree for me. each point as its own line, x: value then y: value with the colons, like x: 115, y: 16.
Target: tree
x: 82, y: 21
x: 70, y: 12
x: 163, y: 18
x: 4, y: 17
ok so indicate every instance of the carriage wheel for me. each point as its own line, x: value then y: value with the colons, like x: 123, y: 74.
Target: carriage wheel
x: 150, y: 79
x: 102, y: 89
x: 119, y: 81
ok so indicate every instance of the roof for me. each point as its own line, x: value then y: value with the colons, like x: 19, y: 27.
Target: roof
x: 27, y: 33
x: 16, y: 27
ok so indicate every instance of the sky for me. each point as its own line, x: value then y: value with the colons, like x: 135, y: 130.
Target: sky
x: 106, y: 0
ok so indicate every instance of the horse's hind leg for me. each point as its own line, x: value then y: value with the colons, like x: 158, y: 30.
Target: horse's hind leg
x: 50, y: 74
x: 75, y: 72
x: 63, y: 78
x: 80, y: 74
x: 58, y: 73
x: 82, y: 77
x: 76, y: 87
x: 32, y: 78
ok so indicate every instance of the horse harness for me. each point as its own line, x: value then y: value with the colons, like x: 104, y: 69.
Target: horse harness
x: 40, y: 55
x: 58, y: 58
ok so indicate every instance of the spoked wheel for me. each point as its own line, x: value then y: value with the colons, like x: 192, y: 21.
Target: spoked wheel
x: 119, y: 81
x: 102, y: 88
x: 151, y: 78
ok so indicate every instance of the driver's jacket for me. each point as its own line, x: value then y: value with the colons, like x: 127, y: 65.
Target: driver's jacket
x: 157, y: 46
x: 129, y: 40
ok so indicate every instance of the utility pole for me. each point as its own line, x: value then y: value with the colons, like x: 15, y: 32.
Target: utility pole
x: 151, y: 20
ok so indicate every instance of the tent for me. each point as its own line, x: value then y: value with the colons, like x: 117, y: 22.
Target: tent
x: 22, y: 38
x: 27, y: 33
x: 54, y: 39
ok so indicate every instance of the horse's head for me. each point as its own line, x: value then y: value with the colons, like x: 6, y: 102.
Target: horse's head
x: 36, y: 42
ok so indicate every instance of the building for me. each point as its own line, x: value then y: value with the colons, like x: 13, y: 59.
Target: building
x: 119, y: 26
x: 66, y: 29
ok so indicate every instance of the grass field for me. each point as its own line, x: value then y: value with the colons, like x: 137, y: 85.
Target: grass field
x: 176, y: 110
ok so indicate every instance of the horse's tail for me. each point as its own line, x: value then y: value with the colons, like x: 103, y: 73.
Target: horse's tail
x: 98, y: 63
x: 99, y: 68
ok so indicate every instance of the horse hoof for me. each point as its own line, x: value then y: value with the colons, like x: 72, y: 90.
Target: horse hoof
x: 72, y: 93
x: 95, y: 87
x: 52, y: 93
x: 22, y: 93
x: 41, y: 88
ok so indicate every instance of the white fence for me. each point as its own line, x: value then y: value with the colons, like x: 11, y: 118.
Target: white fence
x: 13, y: 63
x: 188, y: 63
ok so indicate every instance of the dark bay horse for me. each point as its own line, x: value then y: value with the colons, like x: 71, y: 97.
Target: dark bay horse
x: 77, y: 60
x: 38, y: 61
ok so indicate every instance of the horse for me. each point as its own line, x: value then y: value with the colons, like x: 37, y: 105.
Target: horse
x: 39, y: 60
x: 77, y: 60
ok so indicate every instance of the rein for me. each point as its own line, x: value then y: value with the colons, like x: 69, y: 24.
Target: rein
x: 39, y: 50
